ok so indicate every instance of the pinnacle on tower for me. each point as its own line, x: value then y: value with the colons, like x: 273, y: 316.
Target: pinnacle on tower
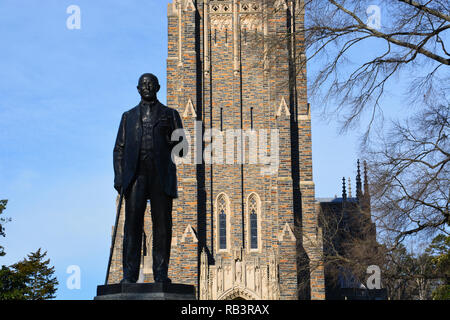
x: 358, y: 183
x: 349, y: 187
x: 366, y: 180
x: 344, y: 192
x: 366, y: 189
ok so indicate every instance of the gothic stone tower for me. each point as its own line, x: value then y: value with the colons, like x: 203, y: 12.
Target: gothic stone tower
x: 239, y: 229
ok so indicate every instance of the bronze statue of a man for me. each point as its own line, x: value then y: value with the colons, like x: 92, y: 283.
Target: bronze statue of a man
x: 144, y: 170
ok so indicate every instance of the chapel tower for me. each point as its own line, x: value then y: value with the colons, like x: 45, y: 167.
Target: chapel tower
x: 242, y: 229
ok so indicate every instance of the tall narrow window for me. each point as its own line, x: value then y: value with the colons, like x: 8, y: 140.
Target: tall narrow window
x: 254, y: 230
x: 222, y: 209
x: 253, y: 211
x: 221, y: 119
x: 251, y: 118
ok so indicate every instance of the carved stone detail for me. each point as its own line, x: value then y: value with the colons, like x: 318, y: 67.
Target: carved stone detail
x: 283, y: 108
x: 189, y: 231
x: 220, y: 7
x: 221, y: 22
x: 189, y: 110
x: 243, y: 276
x: 253, y: 6
x: 252, y: 22
x: 281, y: 4
x: 204, y: 276
x: 286, y: 231
x: 189, y: 5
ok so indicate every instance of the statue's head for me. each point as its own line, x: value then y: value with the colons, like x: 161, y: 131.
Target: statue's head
x: 148, y: 86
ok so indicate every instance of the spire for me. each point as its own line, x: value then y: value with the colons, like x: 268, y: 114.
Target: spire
x: 367, y: 201
x: 349, y: 187
x: 344, y: 192
x: 366, y: 180
x: 358, y: 183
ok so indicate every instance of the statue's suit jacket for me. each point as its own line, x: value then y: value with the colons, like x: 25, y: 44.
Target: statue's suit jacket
x: 128, y: 144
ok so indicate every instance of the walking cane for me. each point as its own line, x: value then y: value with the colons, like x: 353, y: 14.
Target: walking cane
x: 114, y: 234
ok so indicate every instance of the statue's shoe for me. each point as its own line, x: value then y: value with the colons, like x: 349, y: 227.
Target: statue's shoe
x: 163, y: 280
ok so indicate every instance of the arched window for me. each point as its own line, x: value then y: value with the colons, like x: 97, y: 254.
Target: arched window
x: 222, y: 222
x: 253, y: 228
x: 254, y: 221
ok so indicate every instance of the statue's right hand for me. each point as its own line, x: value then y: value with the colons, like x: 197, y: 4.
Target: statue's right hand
x: 118, y: 188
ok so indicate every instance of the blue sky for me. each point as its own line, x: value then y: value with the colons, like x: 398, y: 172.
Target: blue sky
x: 62, y: 93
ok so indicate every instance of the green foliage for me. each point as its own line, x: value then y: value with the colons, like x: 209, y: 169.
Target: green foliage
x: 440, y: 250
x: 411, y: 277
x: 3, y: 205
x: 35, y: 274
x: 442, y: 293
x: 2, y: 222
x: 425, y: 276
x: 30, y: 279
x: 12, y: 284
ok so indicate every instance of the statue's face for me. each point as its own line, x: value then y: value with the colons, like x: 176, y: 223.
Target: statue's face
x: 148, y: 87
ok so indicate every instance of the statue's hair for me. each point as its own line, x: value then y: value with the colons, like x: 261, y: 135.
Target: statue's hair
x: 151, y: 76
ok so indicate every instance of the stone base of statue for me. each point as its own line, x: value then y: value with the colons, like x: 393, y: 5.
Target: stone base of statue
x: 145, y: 291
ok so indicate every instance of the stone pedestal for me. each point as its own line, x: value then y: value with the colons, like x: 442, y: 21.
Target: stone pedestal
x: 145, y: 291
